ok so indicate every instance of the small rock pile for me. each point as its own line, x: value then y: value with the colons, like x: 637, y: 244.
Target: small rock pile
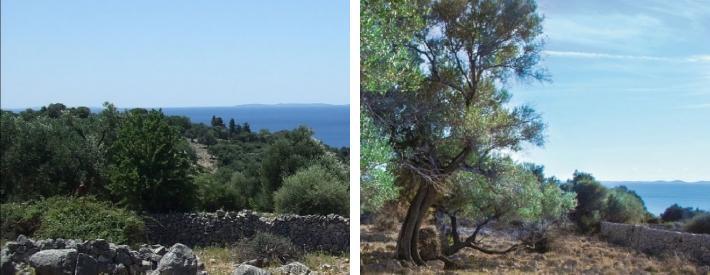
x: 59, y: 256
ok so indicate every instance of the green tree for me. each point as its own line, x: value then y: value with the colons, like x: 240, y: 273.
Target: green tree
x: 44, y: 156
x: 376, y: 179
x: 246, y: 128
x: 505, y: 192
x: 624, y: 206
x: 283, y: 158
x: 232, y: 127
x: 217, y: 122
x: 456, y: 116
x: 148, y: 171
x: 591, y: 201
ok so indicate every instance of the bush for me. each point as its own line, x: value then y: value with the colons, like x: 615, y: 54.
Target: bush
x: 18, y: 218
x: 623, y: 206
x: 699, y: 224
x: 72, y: 218
x: 676, y: 213
x: 267, y: 249
x: 313, y: 190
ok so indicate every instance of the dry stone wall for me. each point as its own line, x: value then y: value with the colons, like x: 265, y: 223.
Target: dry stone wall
x: 325, y: 233
x: 658, y: 241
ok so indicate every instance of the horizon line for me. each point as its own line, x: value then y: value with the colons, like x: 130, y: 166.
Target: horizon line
x: 203, y: 106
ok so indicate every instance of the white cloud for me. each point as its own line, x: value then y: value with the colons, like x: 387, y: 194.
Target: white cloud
x: 607, y: 31
x: 574, y: 54
x: 697, y: 106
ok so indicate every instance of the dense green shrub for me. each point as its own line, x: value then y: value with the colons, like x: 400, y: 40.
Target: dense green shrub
x: 267, y: 249
x: 223, y: 190
x: 19, y: 218
x: 624, y: 206
x: 72, y: 218
x: 314, y: 190
x: 699, y: 224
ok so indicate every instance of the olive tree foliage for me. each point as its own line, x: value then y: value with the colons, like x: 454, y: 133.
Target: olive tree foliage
x: 386, y: 63
x: 55, y: 151
x: 283, y: 158
x: 624, y: 206
x: 457, y: 115
x: 505, y: 192
x: 376, y: 179
x: 150, y: 169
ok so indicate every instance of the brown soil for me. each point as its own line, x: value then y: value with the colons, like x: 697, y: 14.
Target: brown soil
x: 571, y: 254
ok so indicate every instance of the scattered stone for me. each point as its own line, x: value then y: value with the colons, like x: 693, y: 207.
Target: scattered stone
x: 178, y: 261
x: 54, y: 261
x: 294, y: 268
x: 245, y: 269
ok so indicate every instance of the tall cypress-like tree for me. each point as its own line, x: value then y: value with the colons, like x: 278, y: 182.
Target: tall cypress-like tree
x: 232, y: 127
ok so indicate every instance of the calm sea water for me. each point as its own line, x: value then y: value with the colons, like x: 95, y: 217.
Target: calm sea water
x: 658, y: 196
x: 331, y: 124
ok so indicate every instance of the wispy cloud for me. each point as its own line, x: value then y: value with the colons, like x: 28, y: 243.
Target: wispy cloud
x: 696, y: 106
x: 574, y: 54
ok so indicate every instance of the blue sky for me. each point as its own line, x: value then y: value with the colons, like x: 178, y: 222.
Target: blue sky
x: 174, y: 53
x: 630, y: 91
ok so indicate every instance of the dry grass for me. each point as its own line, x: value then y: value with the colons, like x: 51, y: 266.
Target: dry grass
x: 571, y: 254
x: 217, y: 260
x: 220, y: 260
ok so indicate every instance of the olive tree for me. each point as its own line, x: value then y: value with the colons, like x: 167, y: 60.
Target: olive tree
x: 457, y: 115
x: 504, y: 193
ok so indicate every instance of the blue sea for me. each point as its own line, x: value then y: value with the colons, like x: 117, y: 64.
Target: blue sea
x: 330, y: 123
x: 659, y: 196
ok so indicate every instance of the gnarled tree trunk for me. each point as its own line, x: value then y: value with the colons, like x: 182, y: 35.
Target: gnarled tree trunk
x: 407, y: 242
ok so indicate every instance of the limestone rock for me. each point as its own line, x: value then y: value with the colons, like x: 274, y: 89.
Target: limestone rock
x: 294, y: 268
x: 54, y: 261
x: 245, y: 269
x: 178, y: 261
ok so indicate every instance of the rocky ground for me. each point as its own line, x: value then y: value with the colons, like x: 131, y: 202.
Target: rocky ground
x: 570, y: 254
x: 204, y: 158
x: 58, y: 256
x: 220, y: 260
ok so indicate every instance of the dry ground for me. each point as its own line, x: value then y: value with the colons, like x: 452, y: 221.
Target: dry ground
x: 220, y: 260
x: 571, y: 254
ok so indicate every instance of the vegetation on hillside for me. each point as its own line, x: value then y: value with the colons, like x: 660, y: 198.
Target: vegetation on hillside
x: 142, y: 160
